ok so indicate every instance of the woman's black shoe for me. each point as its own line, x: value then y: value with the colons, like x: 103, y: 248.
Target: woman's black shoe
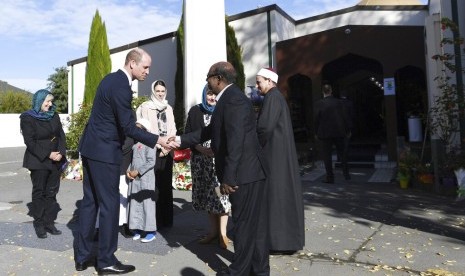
x: 40, y: 232
x: 52, y: 229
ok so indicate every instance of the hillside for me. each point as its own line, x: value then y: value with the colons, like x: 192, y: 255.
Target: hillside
x: 5, y: 87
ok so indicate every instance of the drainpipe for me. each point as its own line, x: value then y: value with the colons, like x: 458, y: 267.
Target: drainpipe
x: 72, y: 91
x: 458, y: 72
x: 270, y: 54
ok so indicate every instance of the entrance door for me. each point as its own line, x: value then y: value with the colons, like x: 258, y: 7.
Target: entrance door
x: 361, y: 79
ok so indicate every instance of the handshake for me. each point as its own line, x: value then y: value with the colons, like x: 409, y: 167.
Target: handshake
x: 168, y: 143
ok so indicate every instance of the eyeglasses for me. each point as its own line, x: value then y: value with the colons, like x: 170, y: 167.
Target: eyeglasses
x: 212, y: 75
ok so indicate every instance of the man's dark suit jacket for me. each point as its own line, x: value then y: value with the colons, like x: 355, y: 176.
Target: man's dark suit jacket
x: 330, y: 119
x: 234, y: 139
x: 111, y: 119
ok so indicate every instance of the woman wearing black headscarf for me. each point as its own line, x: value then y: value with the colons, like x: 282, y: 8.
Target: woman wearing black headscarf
x: 45, y: 157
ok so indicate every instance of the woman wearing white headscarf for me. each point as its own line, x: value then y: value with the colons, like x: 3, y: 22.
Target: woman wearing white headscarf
x: 160, y: 115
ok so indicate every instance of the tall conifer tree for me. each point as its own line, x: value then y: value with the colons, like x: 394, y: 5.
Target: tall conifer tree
x: 179, y: 110
x: 234, y: 55
x: 98, y: 58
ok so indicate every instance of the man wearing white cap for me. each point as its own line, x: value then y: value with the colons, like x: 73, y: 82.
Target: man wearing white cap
x: 275, y: 132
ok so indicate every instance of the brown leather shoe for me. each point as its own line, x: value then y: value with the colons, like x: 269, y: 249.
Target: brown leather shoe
x: 208, y: 239
x: 224, y: 242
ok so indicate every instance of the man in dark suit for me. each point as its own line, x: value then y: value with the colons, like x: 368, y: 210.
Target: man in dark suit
x: 239, y: 169
x: 331, y: 128
x: 100, y: 146
x: 349, y: 112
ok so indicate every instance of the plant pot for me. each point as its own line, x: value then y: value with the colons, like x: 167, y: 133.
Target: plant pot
x: 426, y: 178
x: 404, y: 183
x: 449, y: 182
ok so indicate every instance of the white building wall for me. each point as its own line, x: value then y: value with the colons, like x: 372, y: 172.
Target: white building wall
x: 284, y: 29
x: 252, y: 36
x: 13, y: 137
x: 364, y: 17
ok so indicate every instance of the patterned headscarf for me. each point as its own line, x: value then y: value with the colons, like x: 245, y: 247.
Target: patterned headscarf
x: 37, y: 101
x: 204, y: 106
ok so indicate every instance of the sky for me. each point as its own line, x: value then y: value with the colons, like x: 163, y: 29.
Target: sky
x: 38, y: 36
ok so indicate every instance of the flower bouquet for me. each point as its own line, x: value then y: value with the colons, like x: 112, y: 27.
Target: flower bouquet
x: 182, y: 178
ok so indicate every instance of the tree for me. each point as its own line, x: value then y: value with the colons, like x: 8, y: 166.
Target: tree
x: 98, y: 58
x: 58, y: 85
x: 179, y: 110
x: 234, y: 55
x: 448, y: 106
x: 15, y: 102
x: 98, y: 66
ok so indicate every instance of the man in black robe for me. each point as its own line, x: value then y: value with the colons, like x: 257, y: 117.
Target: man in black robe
x: 274, y: 127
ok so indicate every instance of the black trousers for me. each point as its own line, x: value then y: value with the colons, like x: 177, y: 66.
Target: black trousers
x: 163, y: 183
x: 101, y: 193
x: 44, y: 207
x: 327, y: 150
x: 249, y: 206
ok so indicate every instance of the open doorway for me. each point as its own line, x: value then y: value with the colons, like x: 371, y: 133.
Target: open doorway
x: 361, y: 79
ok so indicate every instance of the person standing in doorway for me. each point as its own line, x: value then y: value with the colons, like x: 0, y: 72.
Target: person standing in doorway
x: 111, y: 119
x: 349, y: 112
x: 276, y: 135
x: 331, y: 128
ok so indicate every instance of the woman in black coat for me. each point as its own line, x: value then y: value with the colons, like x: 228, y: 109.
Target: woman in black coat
x: 45, y: 157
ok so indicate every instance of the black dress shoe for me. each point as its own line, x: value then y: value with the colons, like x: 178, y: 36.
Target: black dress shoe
x: 118, y: 268
x: 81, y: 266
x: 125, y: 231
x: 52, y: 229
x: 328, y: 180
x: 282, y: 252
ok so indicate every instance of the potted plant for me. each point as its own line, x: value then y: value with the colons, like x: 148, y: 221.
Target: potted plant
x: 453, y: 170
x: 425, y: 174
x: 407, y: 163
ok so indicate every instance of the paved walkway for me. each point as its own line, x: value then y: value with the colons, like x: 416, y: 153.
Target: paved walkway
x: 352, y: 227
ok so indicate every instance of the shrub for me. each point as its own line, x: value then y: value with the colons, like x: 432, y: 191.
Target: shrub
x: 15, y: 102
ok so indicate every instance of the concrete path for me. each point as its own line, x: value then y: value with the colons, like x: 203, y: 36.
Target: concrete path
x: 352, y: 227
